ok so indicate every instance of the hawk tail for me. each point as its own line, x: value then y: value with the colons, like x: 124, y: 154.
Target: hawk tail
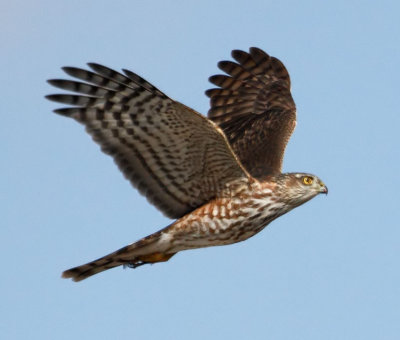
x: 86, y: 270
x: 150, y: 249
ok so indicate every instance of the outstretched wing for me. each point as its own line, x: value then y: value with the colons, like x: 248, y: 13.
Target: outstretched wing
x: 174, y: 156
x: 255, y: 109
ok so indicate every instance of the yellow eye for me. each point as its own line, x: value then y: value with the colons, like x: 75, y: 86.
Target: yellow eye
x: 307, y: 180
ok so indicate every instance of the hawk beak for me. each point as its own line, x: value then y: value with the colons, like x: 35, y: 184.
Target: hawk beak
x: 323, y: 189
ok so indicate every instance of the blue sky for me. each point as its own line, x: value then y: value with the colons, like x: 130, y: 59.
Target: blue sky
x: 327, y: 270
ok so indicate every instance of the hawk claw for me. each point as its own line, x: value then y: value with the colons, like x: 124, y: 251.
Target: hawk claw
x: 135, y: 264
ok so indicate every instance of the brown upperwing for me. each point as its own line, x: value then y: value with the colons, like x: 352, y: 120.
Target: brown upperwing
x: 254, y: 108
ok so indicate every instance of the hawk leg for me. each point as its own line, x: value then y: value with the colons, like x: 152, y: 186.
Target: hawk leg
x: 149, y: 259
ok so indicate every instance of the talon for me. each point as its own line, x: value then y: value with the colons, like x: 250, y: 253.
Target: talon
x: 148, y: 259
x: 134, y: 265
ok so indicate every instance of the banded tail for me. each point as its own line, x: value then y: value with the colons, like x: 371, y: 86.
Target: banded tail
x: 147, y: 250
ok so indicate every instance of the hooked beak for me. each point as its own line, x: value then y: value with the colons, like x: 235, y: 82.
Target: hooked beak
x: 323, y: 189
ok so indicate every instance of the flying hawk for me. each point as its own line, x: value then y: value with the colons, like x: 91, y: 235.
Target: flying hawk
x: 219, y: 177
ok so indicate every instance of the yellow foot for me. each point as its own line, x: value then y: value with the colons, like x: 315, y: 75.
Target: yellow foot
x: 151, y: 258
x: 155, y: 257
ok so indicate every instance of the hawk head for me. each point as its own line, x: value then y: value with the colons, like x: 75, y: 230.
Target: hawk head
x: 298, y: 188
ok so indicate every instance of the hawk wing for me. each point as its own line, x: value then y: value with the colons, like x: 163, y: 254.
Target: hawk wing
x: 174, y: 156
x: 255, y: 109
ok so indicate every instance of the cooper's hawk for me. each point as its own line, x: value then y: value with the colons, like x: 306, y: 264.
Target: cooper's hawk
x: 220, y: 176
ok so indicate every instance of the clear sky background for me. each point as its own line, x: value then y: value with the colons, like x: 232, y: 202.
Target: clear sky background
x: 327, y: 270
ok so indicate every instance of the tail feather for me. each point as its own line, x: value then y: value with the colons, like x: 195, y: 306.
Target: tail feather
x: 86, y: 270
x: 150, y: 249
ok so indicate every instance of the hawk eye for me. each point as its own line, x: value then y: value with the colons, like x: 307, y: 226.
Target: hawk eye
x: 307, y: 180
